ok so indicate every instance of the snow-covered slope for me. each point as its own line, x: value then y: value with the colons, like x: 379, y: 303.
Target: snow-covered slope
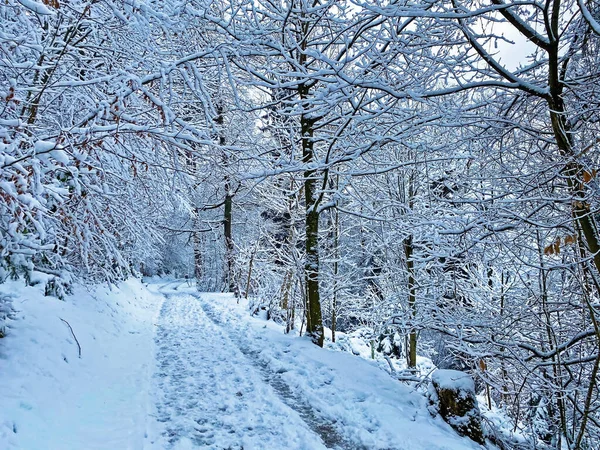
x: 165, y: 367
x: 50, y: 399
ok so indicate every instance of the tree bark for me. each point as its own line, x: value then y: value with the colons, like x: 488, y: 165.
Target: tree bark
x: 198, y: 263
x: 412, y: 301
x: 229, y: 279
x: 314, y: 321
x: 336, y: 255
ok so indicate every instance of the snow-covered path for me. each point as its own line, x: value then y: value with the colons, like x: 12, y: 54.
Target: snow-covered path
x: 210, y: 395
x: 163, y: 367
x: 225, y: 380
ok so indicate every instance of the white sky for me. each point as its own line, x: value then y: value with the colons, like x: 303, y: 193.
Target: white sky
x: 513, y: 55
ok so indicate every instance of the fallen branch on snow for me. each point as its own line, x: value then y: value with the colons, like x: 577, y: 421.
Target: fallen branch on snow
x: 73, y: 333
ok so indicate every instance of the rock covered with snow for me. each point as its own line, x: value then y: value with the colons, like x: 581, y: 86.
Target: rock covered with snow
x: 452, y: 394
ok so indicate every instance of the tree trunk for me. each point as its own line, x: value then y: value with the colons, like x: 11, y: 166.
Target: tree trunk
x: 227, y: 217
x: 196, y: 234
x: 197, y: 251
x: 562, y: 132
x: 336, y: 255
x: 229, y: 279
x: 314, y: 323
x: 412, y: 302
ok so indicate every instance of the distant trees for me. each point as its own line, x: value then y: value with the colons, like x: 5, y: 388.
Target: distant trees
x: 94, y: 136
x: 293, y: 50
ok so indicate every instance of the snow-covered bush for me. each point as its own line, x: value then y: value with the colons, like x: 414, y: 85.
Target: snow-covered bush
x: 6, y: 313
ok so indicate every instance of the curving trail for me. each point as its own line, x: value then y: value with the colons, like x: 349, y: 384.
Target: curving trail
x: 225, y: 380
x: 164, y: 367
x: 210, y: 394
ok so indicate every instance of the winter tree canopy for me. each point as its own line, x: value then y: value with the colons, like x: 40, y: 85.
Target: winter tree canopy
x: 378, y: 167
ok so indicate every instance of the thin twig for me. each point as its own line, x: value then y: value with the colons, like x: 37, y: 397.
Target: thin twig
x: 73, y: 333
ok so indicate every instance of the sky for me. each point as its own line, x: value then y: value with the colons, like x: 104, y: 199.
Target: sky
x: 513, y: 55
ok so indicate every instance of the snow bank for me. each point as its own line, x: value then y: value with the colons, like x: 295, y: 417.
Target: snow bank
x: 53, y: 399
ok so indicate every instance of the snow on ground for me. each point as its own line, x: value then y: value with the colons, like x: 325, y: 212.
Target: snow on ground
x: 360, y: 402
x: 164, y: 367
x: 53, y: 400
x: 208, y: 393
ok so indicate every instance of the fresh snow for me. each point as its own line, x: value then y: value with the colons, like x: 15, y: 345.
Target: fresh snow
x: 36, y: 7
x: 52, y: 399
x: 166, y: 367
x: 454, y: 380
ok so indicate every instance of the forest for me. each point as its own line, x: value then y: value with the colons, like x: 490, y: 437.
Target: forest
x: 424, y: 171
